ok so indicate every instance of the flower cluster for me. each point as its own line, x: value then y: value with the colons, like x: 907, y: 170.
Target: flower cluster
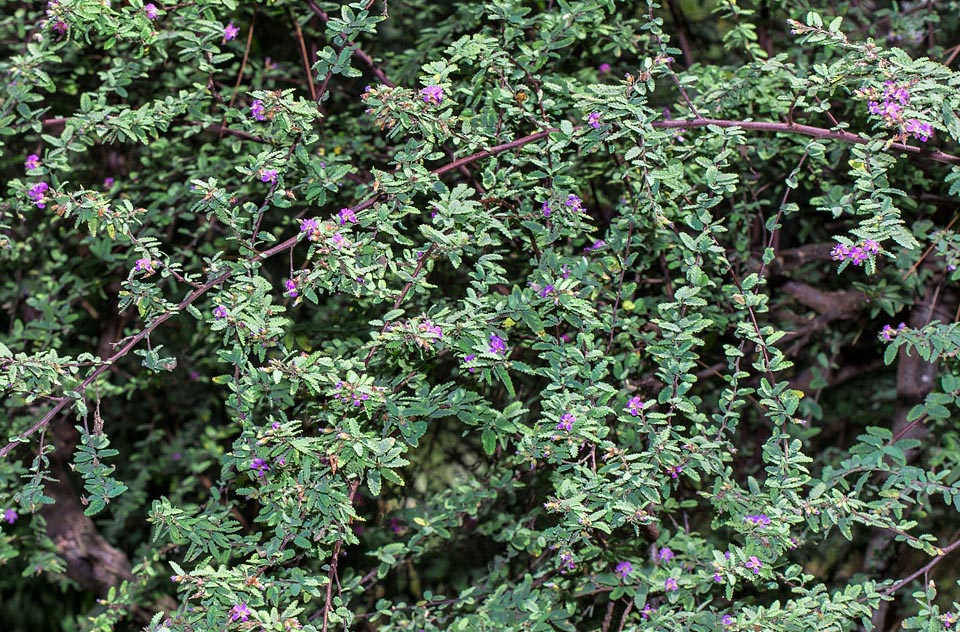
x: 889, y: 333
x: 291, y: 287
x: 754, y: 564
x: 594, y: 120
x: 151, y: 11
x: 665, y: 554
x: 623, y: 569
x: 10, y: 515
x: 675, y: 471
x: 671, y: 584
x: 949, y: 619
x: 220, y: 312
x: 545, y: 208
x: 432, y: 95
x: 566, y: 422
x: 357, y: 397
x: 38, y: 193
x: 268, y: 175
x: 758, y: 519
x: 857, y: 254
x: 427, y: 327
x: 890, y: 109
x: 32, y: 162
x: 575, y: 203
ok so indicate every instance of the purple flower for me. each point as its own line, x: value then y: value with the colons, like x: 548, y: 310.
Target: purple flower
x: 871, y: 246
x: 230, y: 32
x: 220, y: 312
x: 59, y: 27
x: 727, y: 620
x: 346, y: 215
x: 545, y: 207
x: 338, y: 240
x: 604, y: 67
x: 311, y: 227
x: 32, y: 162
x: 858, y: 255
x: 896, y: 93
x: 151, y: 11
x: 142, y: 265
x: 634, y: 406
x: 754, y: 564
x: 10, y: 516
x: 594, y: 120
x: 545, y: 290
x: 257, y: 110
x: 268, y: 175
x: 597, y: 245
x: 645, y: 613
x: 566, y: 424
x: 758, y: 519
x: 840, y: 252
x: 623, y: 569
x: 920, y: 131
x: 470, y: 358
x: 240, y: 612
x: 670, y: 584
x: 108, y: 182
x: 675, y: 471
x: 665, y: 554
x: 889, y: 333
x: 261, y: 467
x: 428, y: 327
x: 38, y: 194
x: 575, y: 203
x: 291, y: 288
x: 497, y: 344
x: 717, y: 577
x: 432, y: 94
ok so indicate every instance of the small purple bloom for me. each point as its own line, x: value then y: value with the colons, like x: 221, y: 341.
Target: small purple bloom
x: 261, y: 467
x: 671, y: 584
x: 470, y: 358
x: 634, y: 406
x: 10, y: 516
x: 675, y: 471
x: 566, y: 424
x: 727, y: 620
x: 338, y: 240
x: 32, y: 162
x: 240, y: 612
x: 604, y: 68
x: 920, y: 131
x: 432, y: 95
x: 665, y: 554
x: 257, y: 110
x: 889, y: 333
x: 754, y: 564
x: 220, y: 312
x: 346, y: 215
x: 645, y: 613
x: 575, y: 203
x: 623, y: 569
x: 230, y: 32
x: 144, y: 265
x: 151, y: 11
x: 108, y: 182
x: 497, y: 344
x: 268, y: 175
x: 311, y: 227
x: 38, y: 194
x: 840, y: 252
x: 594, y: 120
x: 544, y: 291
x: 871, y: 246
x: 545, y: 207
x: 858, y: 255
x: 291, y: 286
x: 758, y: 519
x: 717, y: 577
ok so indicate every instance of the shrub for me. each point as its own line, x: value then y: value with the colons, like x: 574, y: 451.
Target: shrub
x: 478, y: 316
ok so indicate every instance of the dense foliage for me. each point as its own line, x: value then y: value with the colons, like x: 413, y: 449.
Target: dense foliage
x: 500, y: 315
